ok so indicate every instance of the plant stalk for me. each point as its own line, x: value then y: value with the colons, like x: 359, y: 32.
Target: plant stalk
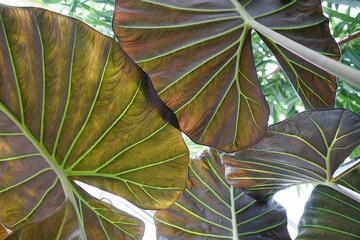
x: 350, y: 38
x: 233, y: 215
x: 327, y: 64
x: 52, y: 162
x: 346, y: 191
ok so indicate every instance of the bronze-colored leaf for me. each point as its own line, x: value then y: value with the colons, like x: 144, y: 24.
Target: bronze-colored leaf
x: 62, y: 224
x: 308, y: 147
x: 73, y: 106
x: 212, y: 209
x: 337, y: 215
x: 199, y: 57
x: 110, y: 221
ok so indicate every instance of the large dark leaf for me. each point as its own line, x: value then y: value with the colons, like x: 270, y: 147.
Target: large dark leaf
x: 212, y: 209
x: 108, y: 222
x: 200, y: 59
x: 73, y: 106
x: 62, y: 224
x: 332, y: 215
x: 308, y: 147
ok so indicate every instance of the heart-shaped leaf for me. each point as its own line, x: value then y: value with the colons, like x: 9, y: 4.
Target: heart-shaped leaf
x: 308, y: 147
x: 199, y: 57
x: 212, y: 209
x: 73, y: 106
x: 329, y: 214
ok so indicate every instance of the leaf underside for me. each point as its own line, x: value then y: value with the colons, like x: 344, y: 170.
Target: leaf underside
x: 3, y: 232
x: 308, y: 147
x: 337, y: 216
x: 73, y: 106
x: 211, y: 209
x: 62, y: 224
x: 199, y: 57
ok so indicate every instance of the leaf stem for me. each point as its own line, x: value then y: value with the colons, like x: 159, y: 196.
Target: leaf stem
x: 343, y: 41
x: 345, y: 169
x: 233, y: 215
x: 346, y: 191
x: 327, y: 64
x: 51, y: 161
x: 349, y: 38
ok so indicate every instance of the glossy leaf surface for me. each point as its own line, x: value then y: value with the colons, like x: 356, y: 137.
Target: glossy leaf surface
x: 308, y: 147
x: 337, y: 216
x: 199, y: 57
x: 73, y: 106
x: 212, y: 209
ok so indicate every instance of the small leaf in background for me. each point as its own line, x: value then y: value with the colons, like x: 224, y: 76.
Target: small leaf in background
x: 199, y: 57
x: 350, y: 3
x: 355, y: 154
x: 73, y: 106
x: 330, y: 214
x: 308, y: 147
x: 51, y: 1
x: 212, y: 209
x: 341, y: 16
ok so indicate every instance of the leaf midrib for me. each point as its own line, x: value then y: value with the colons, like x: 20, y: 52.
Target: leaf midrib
x: 50, y: 159
x: 233, y: 215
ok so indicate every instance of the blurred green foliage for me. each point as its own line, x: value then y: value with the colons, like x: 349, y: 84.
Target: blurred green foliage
x: 96, y: 13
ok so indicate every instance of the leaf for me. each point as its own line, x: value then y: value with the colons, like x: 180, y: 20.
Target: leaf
x: 51, y: 1
x: 109, y: 222
x: 350, y: 3
x: 356, y: 153
x: 337, y: 216
x: 306, y: 148
x: 212, y: 209
x: 199, y: 57
x: 73, y: 106
x: 341, y: 16
x: 62, y: 224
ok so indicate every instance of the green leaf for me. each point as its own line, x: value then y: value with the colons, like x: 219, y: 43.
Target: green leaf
x: 103, y: 1
x: 337, y: 216
x: 341, y: 16
x: 199, y: 57
x: 73, y: 106
x: 356, y: 153
x: 350, y: 3
x: 51, y: 1
x: 212, y: 209
x: 306, y: 148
